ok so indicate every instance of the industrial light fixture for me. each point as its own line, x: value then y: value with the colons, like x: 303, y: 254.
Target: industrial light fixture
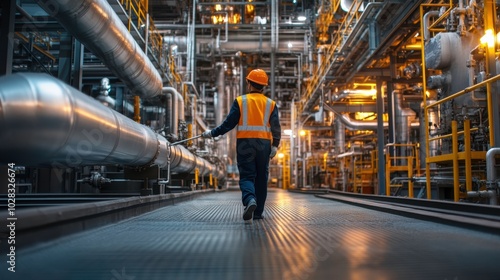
x: 301, y: 18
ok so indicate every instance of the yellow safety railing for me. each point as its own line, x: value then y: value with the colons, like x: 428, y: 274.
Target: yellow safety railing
x: 286, y: 165
x: 363, y: 176
x: 405, y: 159
x: 138, y: 16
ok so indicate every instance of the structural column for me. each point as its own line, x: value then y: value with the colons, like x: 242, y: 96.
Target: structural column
x: 7, y: 36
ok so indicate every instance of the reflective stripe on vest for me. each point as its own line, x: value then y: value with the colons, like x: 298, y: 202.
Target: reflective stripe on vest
x: 253, y: 124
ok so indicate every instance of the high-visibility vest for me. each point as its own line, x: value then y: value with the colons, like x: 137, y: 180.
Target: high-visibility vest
x: 255, y: 111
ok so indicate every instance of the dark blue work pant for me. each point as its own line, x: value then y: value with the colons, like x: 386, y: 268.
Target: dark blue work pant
x: 253, y: 164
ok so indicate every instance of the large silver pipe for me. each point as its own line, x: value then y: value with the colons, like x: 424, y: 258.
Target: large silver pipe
x: 339, y: 136
x: 403, y: 117
x: 44, y: 121
x: 98, y: 27
x: 221, y: 105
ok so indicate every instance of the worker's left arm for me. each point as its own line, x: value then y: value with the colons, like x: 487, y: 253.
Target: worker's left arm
x: 230, y: 122
x: 274, y: 121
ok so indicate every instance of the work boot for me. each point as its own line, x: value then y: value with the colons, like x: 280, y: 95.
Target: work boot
x: 258, y: 217
x: 248, y: 213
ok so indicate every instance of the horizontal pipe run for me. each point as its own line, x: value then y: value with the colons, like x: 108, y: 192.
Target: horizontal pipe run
x: 45, y: 122
x: 98, y: 27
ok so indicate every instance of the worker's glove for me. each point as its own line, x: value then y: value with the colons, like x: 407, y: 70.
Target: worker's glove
x: 207, y: 134
x: 274, y: 150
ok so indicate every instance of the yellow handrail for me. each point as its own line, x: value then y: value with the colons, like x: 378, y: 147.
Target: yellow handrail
x: 139, y: 16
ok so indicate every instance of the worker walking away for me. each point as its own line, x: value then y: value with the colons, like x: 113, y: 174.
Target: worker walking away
x: 258, y: 138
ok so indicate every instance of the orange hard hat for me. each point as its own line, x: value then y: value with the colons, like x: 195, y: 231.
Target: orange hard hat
x: 258, y: 76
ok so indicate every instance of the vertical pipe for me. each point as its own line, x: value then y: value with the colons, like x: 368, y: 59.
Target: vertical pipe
x: 299, y: 152
x: 468, y: 164
x: 7, y: 36
x: 401, y: 119
x: 380, y: 140
x: 273, y: 74
x: 137, y: 109
x: 146, y: 35
x: 169, y: 116
x: 293, y: 158
x: 220, y: 106
x: 78, y: 53
x: 339, y: 135
x: 175, y: 105
x: 387, y: 167
x: 304, y: 165
x: 456, y: 179
x: 190, y: 133
x: 426, y: 117
x: 410, y: 175
x: 231, y: 136
x: 196, y: 176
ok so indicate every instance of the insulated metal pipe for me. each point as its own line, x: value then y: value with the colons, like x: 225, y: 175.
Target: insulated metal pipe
x: 491, y: 179
x: 44, y: 121
x: 98, y: 27
x: 175, y: 102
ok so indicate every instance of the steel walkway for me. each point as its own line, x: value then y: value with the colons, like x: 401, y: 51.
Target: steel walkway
x: 301, y: 237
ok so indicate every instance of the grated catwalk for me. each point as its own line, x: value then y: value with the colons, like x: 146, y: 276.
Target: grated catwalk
x: 301, y: 237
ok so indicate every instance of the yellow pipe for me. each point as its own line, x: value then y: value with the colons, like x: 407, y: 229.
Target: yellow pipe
x: 468, y: 165
x: 190, y: 134
x: 417, y: 158
x: 490, y: 114
x: 137, y: 109
x: 456, y: 181
x: 387, y: 174
x: 196, y: 173
x: 410, y: 175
